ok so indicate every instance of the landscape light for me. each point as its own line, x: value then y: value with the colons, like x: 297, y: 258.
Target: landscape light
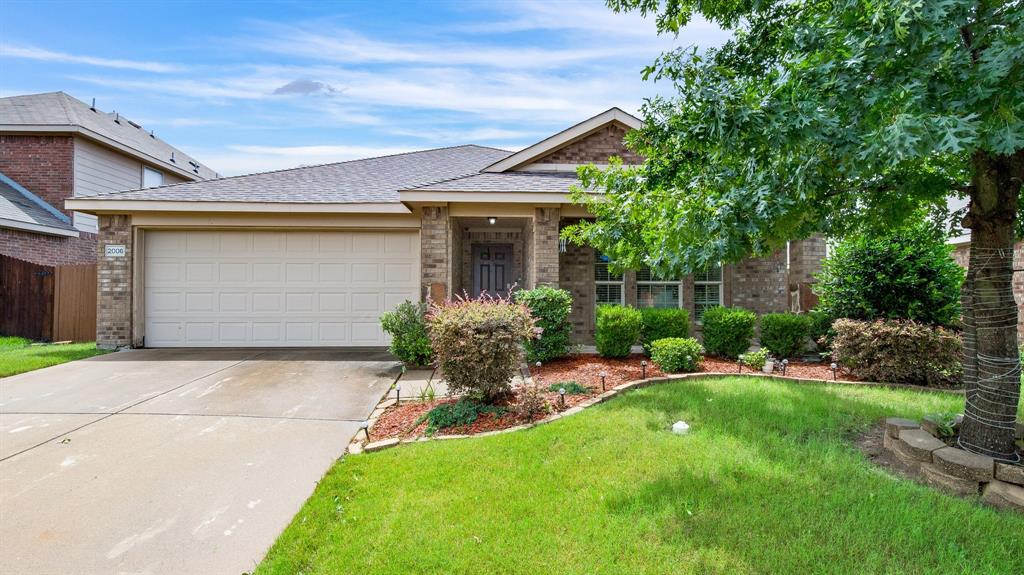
x: 833, y: 367
x: 365, y: 426
x: 643, y: 369
x: 785, y: 364
x: 398, y: 393
x: 603, y: 375
x: 561, y: 397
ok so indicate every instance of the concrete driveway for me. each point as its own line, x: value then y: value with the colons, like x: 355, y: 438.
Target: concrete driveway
x: 172, y: 461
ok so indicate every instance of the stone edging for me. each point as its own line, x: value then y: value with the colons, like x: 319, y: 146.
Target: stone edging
x: 357, y: 446
x: 952, y: 469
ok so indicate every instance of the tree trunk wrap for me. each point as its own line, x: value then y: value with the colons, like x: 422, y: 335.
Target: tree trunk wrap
x: 992, y: 362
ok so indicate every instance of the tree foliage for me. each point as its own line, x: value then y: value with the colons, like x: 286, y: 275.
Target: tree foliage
x: 816, y: 116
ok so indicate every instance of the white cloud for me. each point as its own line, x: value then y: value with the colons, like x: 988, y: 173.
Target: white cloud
x: 34, y: 53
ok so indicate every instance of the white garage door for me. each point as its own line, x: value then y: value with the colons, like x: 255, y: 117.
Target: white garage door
x: 268, y: 288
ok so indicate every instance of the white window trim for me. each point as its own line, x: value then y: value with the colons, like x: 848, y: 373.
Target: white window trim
x: 620, y: 282
x: 677, y: 283
x: 721, y: 292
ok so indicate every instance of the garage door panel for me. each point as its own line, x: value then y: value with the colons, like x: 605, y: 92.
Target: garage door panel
x: 261, y: 288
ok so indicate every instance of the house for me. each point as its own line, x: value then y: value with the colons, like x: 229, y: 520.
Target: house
x: 54, y: 147
x: 312, y: 256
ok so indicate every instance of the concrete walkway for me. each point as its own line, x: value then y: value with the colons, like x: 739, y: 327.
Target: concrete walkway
x: 172, y: 461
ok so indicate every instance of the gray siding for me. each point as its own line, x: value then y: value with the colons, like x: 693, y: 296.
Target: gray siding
x: 99, y: 170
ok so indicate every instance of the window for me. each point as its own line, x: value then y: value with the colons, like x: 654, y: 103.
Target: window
x: 707, y: 290
x: 609, y: 286
x: 151, y: 178
x: 652, y: 291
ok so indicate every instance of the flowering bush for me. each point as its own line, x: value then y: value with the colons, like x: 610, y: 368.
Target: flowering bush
x: 478, y: 343
x: 898, y: 351
x: 677, y: 354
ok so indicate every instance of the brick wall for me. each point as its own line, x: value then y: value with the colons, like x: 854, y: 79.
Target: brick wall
x: 48, y: 250
x: 114, y: 284
x: 42, y: 164
x: 759, y: 284
x: 595, y: 148
x: 545, y: 246
x: 576, y: 275
x: 435, y: 251
x: 805, y: 257
x: 962, y: 254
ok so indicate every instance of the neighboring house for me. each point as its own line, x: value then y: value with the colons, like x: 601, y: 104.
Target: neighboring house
x: 312, y: 256
x: 54, y: 147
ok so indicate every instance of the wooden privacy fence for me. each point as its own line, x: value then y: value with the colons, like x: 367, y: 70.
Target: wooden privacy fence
x: 47, y: 303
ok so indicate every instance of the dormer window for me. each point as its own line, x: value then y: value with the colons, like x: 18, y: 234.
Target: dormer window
x: 151, y: 178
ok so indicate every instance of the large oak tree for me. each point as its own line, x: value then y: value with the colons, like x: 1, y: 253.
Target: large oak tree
x: 832, y: 116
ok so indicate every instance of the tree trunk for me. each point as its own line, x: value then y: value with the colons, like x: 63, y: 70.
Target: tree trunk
x: 991, y: 362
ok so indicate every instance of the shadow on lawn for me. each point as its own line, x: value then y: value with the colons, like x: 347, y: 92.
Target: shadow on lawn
x: 770, y: 462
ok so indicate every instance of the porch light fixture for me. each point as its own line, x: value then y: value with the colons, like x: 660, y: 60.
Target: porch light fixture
x: 492, y: 220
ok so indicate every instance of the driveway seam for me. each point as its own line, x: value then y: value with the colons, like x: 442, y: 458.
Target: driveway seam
x: 140, y: 402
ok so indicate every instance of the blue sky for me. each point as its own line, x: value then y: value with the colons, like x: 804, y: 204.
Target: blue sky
x: 255, y: 86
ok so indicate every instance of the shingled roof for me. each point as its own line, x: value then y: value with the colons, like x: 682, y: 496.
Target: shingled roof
x: 370, y: 180
x: 554, y: 182
x: 55, y: 110
x: 20, y: 209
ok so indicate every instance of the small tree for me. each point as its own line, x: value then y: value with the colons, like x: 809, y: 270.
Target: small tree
x: 903, y: 274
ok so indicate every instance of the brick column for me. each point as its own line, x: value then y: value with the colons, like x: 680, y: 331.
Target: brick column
x: 805, y: 258
x: 545, y: 246
x: 435, y: 252
x: 114, y: 283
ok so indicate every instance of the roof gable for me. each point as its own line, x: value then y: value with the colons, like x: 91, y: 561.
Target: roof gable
x: 59, y: 112
x: 592, y: 140
x: 23, y: 210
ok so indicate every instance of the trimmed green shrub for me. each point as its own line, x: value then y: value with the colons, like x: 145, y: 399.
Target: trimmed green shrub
x: 407, y: 326
x: 677, y: 354
x: 660, y: 323
x: 755, y: 360
x: 477, y: 343
x: 821, y: 329
x: 550, y: 309
x: 457, y: 414
x: 785, y: 333
x: 898, y: 351
x: 570, y: 387
x: 618, y: 328
x: 904, y: 274
x: 728, y: 331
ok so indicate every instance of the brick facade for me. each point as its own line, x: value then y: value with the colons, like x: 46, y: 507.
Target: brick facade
x: 595, y: 148
x: 114, y: 284
x: 45, y: 165
x: 760, y: 284
x: 576, y: 275
x: 962, y: 254
x: 545, y: 247
x: 435, y: 252
x: 48, y: 250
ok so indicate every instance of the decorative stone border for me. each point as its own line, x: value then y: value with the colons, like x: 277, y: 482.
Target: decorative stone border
x: 359, y: 445
x: 952, y: 469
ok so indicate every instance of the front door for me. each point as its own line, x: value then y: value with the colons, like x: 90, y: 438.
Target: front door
x: 492, y: 270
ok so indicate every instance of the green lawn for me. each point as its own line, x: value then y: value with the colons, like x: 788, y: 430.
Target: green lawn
x: 768, y: 481
x: 18, y: 355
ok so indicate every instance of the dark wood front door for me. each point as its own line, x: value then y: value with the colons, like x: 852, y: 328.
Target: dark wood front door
x: 492, y: 270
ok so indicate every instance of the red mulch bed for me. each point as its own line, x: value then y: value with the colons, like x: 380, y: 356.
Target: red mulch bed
x: 585, y: 369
